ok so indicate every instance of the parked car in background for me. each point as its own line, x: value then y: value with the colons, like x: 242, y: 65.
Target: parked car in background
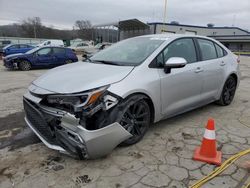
x: 91, y: 51
x: 87, y: 109
x: 16, y: 48
x: 40, y: 57
x: 98, y: 47
x: 3, y: 43
x: 81, y: 46
x: 52, y: 43
x: 103, y: 45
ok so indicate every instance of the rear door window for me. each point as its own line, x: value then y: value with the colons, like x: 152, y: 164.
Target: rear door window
x: 220, y: 51
x: 59, y: 51
x: 23, y: 46
x: 207, y: 48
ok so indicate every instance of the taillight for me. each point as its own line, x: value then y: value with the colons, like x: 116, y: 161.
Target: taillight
x: 238, y: 59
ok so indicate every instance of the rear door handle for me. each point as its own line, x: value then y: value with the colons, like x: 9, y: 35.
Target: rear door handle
x: 198, y: 70
x: 222, y: 63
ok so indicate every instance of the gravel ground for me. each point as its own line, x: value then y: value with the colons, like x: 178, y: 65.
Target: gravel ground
x: 162, y: 159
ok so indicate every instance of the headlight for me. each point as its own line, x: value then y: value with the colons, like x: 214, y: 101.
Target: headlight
x: 77, y: 100
x: 67, y: 99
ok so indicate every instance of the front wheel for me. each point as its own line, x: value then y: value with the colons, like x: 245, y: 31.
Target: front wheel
x: 228, y: 92
x: 135, y: 118
x: 24, y: 65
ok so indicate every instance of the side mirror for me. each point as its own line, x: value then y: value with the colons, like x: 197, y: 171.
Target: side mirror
x: 174, y: 63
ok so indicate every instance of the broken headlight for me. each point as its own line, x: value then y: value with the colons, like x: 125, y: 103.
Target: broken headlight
x: 67, y: 99
x: 79, y: 100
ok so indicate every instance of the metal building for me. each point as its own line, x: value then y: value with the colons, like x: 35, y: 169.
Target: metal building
x: 236, y: 39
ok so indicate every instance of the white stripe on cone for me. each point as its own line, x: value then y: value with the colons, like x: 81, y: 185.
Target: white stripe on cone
x: 209, y: 134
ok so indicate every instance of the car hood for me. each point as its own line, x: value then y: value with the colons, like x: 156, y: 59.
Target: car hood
x: 81, y: 76
x: 14, y: 55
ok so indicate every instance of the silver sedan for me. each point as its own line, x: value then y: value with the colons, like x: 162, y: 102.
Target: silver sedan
x: 87, y: 109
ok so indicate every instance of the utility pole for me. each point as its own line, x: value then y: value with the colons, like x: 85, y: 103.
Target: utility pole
x: 164, y: 15
x: 35, y: 30
x: 165, y: 12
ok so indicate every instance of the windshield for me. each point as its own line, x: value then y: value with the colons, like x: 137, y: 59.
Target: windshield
x: 7, y: 46
x: 32, y: 51
x: 130, y: 52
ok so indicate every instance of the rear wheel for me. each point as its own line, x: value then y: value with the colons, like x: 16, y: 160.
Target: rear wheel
x: 228, y: 92
x: 135, y: 118
x: 24, y: 65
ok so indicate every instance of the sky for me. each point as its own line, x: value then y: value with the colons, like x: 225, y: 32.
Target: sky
x: 62, y: 14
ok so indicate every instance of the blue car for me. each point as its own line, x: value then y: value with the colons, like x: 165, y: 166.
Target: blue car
x: 40, y: 57
x: 16, y: 48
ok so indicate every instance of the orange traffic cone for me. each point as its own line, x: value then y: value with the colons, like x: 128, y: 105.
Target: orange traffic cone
x: 207, y: 152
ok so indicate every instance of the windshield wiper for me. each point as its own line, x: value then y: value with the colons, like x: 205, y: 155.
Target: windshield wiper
x: 86, y: 58
x: 106, y: 62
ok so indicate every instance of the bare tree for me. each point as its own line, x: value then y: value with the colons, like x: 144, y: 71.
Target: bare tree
x: 32, y: 27
x: 84, y: 28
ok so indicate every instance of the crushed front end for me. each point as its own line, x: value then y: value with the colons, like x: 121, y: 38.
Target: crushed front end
x: 76, y: 124
x: 10, y: 64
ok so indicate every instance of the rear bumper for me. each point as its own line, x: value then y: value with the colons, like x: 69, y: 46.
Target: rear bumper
x: 70, y: 137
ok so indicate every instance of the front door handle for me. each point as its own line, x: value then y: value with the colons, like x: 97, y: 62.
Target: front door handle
x: 198, y: 70
x: 222, y: 63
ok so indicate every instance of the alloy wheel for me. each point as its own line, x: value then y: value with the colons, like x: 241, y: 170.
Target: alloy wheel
x: 229, y: 90
x: 136, y: 120
x: 25, y: 65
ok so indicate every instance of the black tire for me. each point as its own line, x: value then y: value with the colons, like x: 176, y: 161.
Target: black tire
x: 24, y: 65
x: 10, y: 68
x: 68, y: 61
x: 134, y: 115
x: 228, y: 92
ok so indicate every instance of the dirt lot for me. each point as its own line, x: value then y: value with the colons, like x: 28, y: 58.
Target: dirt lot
x: 162, y: 159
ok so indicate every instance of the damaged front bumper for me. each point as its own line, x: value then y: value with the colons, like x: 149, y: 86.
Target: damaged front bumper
x: 68, y: 136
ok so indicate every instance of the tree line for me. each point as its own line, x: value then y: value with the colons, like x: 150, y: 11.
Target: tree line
x: 33, y: 28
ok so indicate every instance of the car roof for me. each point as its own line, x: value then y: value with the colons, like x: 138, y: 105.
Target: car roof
x: 18, y: 44
x: 175, y: 36
x: 52, y: 47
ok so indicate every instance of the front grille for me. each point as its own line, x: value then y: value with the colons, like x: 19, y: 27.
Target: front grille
x: 37, y: 120
x: 59, y: 136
